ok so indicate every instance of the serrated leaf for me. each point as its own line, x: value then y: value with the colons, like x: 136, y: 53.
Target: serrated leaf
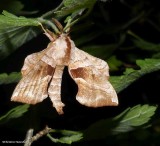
x: 146, y: 66
x: 136, y: 116
x: 130, y: 119
x: 9, y: 78
x: 8, y: 19
x: 14, y: 113
x: 71, y: 6
x: 67, y: 136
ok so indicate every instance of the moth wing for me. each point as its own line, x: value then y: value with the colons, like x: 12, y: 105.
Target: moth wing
x: 36, y: 75
x: 30, y: 62
x: 91, y: 75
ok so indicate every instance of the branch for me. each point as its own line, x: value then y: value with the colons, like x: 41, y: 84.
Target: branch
x: 45, y: 131
x: 30, y: 138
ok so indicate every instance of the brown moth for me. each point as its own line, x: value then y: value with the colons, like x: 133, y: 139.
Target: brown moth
x: 42, y: 76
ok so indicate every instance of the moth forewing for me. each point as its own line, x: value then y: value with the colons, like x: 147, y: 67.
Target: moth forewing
x: 32, y: 88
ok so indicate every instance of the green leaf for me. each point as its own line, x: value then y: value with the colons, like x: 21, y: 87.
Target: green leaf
x: 143, y: 44
x: 13, y: 37
x: 114, y: 63
x: 68, y: 2
x: 135, y: 117
x: 71, y: 6
x: 88, y: 37
x: 14, y: 6
x: 15, y: 31
x: 104, y: 0
x: 100, y: 51
x: 8, y: 19
x: 67, y: 136
x: 131, y: 75
x: 14, y: 113
x: 11, y: 78
x: 130, y: 119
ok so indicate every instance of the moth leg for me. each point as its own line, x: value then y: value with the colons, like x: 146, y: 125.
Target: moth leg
x: 54, y: 89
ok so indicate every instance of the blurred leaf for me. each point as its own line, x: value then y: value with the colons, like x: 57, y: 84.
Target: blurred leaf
x: 130, y: 119
x: 15, y: 31
x: 14, y: 113
x: 87, y: 37
x: 68, y: 136
x: 114, y: 63
x: 13, y: 37
x: 118, y: 27
x: 68, y: 2
x: 156, y: 55
x: 104, y: 0
x: 71, y: 6
x: 11, y: 78
x: 14, y: 6
x: 100, y: 51
x: 143, y: 44
x: 131, y: 75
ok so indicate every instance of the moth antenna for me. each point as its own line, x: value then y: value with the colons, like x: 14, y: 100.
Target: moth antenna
x: 58, y: 24
x: 53, y: 36
x: 48, y: 33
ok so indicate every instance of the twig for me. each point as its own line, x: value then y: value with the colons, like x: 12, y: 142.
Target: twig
x: 45, y: 131
x: 28, y: 139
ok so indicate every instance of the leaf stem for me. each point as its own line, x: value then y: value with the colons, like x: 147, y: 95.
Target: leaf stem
x: 51, y: 138
x: 69, y: 24
x: 49, y: 23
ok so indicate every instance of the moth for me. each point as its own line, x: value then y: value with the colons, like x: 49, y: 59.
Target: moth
x: 42, y: 75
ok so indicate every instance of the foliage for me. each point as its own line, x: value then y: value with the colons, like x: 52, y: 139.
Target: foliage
x: 131, y: 75
x: 14, y: 113
x: 128, y: 120
x: 124, y: 33
x: 14, y: 32
x: 11, y: 78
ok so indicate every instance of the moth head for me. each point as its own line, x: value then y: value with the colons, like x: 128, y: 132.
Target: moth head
x: 59, y: 31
